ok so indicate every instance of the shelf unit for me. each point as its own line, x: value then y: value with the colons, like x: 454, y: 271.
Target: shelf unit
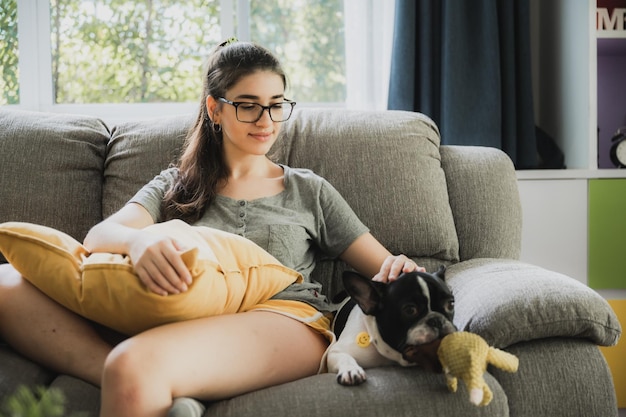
x: 565, y: 73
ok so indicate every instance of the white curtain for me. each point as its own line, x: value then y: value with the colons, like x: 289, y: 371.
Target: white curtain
x: 369, y: 39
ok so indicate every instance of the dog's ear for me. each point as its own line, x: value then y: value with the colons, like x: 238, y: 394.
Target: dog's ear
x: 364, y: 291
x: 441, y: 273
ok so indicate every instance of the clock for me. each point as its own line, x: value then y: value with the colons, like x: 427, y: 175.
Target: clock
x: 618, y: 148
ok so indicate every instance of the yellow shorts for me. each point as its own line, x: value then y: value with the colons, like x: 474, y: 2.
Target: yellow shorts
x: 301, y: 312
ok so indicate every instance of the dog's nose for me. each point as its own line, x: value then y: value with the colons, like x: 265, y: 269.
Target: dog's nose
x: 436, y: 322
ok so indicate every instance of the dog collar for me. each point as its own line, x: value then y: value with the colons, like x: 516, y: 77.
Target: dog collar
x: 382, y: 347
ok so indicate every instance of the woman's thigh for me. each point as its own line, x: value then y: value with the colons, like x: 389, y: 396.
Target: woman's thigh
x: 223, y: 356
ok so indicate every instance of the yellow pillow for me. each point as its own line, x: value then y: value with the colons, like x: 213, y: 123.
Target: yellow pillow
x: 230, y: 274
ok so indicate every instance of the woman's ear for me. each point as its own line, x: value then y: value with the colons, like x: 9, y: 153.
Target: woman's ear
x: 211, y: 108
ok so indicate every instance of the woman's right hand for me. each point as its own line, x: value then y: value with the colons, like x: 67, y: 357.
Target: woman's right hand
x: 157, y: 259
x: 158, y: 264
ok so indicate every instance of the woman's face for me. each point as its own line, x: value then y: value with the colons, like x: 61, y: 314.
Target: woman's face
x: 261, y: 87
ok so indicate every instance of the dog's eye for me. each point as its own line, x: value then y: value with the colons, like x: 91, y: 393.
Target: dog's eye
x: 411, y: 310
x: 449, y: 307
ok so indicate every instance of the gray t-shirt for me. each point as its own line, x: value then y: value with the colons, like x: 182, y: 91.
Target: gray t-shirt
x: 306, y: 221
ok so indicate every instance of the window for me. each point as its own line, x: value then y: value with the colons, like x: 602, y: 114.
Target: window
x: 130, y: 58
x: 9, y: 83
x: 128, y: 51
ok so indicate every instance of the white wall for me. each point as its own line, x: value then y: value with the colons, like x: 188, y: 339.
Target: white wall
x: 554, y: 234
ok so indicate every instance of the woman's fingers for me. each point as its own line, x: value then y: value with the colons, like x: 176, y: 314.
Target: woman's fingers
x: 395, y: 265
x: 162, y: 269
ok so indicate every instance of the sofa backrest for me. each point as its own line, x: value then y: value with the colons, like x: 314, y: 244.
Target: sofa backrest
x: 51, y: 169
x: 136, y: 153
x: 435, y: 204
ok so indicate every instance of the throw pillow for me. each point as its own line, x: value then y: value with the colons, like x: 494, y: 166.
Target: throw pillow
x: 507, y: 302
x: 230, y: 274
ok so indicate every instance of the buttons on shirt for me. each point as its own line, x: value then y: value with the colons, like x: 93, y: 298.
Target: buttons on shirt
x: 243, y: 213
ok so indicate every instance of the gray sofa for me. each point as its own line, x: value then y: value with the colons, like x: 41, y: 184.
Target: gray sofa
x: 451, y: 205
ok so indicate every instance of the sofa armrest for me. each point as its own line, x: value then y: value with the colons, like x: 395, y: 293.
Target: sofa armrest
x: 482, y: 188
x: 507, y: 302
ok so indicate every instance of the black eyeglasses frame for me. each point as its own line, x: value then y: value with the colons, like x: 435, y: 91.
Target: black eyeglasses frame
x: 236, y: 105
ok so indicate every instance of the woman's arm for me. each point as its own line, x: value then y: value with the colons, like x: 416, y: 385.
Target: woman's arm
x: 369, y: 257
x: 156, y: 259
x: 117, y: 233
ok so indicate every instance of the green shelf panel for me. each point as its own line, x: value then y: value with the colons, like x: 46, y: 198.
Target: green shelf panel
x: 607, y: 233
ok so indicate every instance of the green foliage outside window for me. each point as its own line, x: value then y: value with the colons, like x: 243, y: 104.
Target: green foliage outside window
x: 122, y: 51
x: 308, y: 37
x: 9, y: 82
x: 147, y: 51
x: 142, y: 51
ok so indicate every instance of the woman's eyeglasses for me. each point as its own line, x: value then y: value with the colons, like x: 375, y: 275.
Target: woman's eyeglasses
x: 252, y: 112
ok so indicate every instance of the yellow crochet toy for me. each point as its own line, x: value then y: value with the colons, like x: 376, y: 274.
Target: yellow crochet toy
x: 466, y: 355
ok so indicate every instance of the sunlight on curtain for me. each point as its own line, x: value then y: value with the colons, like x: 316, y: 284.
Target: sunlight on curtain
x: 369, y: 36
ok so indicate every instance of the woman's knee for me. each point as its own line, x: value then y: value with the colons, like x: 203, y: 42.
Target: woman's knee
x: 11, y: 282
x: 9, y: 276
x: 128, y: 363
x: 130, y: 377
x: 122, y: 360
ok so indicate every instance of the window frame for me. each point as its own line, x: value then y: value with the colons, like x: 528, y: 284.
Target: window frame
x: 369, y: 31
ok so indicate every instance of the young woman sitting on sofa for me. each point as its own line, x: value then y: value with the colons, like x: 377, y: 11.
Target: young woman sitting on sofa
x: 224, y: 165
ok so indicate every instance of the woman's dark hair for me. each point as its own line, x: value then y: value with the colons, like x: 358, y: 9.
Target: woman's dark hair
x: 201, y: 166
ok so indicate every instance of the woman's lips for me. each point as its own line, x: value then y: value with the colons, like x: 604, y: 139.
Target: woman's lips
x: 262, y: 136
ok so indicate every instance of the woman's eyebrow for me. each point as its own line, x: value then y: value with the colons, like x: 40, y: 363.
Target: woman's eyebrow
x: 252, y: 97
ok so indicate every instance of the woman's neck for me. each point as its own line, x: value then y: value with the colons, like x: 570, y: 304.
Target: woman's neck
x: 254, y: 180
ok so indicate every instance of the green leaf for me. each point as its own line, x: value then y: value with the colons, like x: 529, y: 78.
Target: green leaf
x: 37, y: 402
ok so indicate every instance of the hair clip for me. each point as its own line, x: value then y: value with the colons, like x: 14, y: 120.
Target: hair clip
x: 228, y: 41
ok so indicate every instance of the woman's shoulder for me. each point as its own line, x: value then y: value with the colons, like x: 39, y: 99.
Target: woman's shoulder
x: 164, y: 179
x: 171, y: 171
x: 169, y: 174
x: 302, y: 178
x: 301, y: 174
x: 306, y: 181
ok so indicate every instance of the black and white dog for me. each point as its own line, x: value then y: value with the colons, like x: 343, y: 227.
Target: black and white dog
x: 386, y: 323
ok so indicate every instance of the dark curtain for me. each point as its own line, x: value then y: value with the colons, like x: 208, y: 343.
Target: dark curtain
x: 466, y: 64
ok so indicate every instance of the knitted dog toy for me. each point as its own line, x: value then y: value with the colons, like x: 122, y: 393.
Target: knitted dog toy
x: 466, y: 355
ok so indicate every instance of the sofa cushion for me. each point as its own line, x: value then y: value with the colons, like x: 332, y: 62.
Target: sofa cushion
x: 52, y: 169
x: 392, y: 155
x: 16, y: 371
x: 558, y: 377
x: 507, y: 302
x: 137, y: 152
x: 230, y: 274
x: 390, y: 391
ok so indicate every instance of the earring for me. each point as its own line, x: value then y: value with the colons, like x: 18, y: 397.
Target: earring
x: 217, y: 128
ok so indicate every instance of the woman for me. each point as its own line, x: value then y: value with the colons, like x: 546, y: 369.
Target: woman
x: 224, y: 171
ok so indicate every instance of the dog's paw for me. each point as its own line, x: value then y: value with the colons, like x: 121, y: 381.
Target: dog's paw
x: 352, y: 376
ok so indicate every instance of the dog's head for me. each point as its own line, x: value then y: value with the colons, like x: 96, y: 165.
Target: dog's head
x: 416, y: 309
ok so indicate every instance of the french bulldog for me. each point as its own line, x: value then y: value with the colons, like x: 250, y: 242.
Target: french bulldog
x: 390, y: 323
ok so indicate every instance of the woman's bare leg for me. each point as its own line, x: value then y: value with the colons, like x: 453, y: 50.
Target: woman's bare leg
x: 46, y: 332
x: 212, y: 358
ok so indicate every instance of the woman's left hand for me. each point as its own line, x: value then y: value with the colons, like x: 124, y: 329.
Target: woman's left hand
x: 395, y: 265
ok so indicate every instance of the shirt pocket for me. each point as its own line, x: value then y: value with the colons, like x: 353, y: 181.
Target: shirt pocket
x: 289, y: 243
